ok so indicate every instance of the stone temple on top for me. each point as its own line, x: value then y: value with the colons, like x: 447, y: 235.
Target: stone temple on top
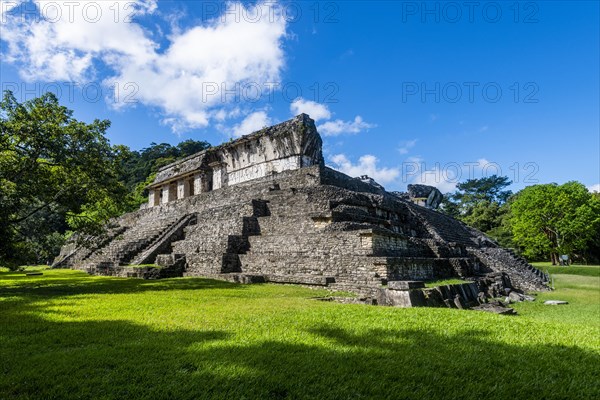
x: 265, y: 208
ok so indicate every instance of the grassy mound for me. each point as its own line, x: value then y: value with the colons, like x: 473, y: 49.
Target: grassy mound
x: 67, y: 335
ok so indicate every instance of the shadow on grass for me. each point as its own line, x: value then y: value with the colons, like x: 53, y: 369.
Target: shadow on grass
x: 117, y: 359
x: 69, y: 285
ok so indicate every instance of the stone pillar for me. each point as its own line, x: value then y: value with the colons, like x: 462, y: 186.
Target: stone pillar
x: 151, y: 198
x: 183, y: 190
x: 219, y: 175
x: 164, y: 199
x: 216, y: 179
x: 198, y: 178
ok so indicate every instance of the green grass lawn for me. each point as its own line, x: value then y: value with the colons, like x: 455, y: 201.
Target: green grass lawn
x: 444, y: 282
x: 67, y: 335
x: 584, y: 270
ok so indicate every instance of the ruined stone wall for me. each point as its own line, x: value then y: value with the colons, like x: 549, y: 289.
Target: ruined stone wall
x: 291, y: 145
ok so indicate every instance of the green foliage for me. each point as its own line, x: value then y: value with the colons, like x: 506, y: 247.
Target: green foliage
x: 139, y: 195
x: 490, y: 189
x: 444, y: 282
x: 481, y: 203
x: 50, y: 164
x: 484, y: 215
x: 549, y: 220
x: 137, y: 166
x: 68, y: 335
x: 94, y: 215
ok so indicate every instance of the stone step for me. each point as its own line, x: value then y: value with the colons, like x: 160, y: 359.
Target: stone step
x: 163, y: 241
x: 211, y: 263
x: 300, y: 279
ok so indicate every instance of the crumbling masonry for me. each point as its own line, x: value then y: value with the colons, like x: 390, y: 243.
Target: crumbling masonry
x: 264, y: 208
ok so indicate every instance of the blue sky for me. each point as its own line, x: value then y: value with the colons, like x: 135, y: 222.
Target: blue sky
x: 407, y: 92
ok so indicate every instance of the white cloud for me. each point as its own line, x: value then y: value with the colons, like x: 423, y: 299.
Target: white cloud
x: 445, y: 177
x: 222, y: 114
x: 594, y: 188
x: 186, y: 79
x: 338, y: 127
x: 6, y: 6
x: 252, y: 123
x: 316, y: 110
x: 406, y: 146
x: 63, y: 41
x: 367, y: 165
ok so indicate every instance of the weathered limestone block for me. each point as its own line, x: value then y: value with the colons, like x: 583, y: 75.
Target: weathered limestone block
x: 405, y: 285
x: 555, y: 302
x: 401, y: 298
x: 198, y: 184
x: 424, y: 195
x: 402, y: 294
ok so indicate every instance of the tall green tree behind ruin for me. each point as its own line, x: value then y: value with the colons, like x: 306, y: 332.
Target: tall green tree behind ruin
x: 549, y: 220
x: 481, y: 203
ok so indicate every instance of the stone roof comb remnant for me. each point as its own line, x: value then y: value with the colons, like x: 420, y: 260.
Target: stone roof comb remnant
x: 427, y: 196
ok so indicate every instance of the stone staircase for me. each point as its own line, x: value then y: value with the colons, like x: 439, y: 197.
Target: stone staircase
x: 294, y: 245
x: 79, y: 254
x: 442, y: 227
x: 522, y: 274
x: 163, y: 241
x: 482, y: 253
x: 122, y: 249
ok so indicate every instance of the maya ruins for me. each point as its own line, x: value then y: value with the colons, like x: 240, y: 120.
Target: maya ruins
x: 265, y: 208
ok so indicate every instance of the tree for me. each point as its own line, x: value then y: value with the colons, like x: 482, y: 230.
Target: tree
x: 484, y: 215
x: 51, y: 166
x: 550, y: 219
x: 481, y: 203
x: 474, y: 191
x: 137, y: 166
